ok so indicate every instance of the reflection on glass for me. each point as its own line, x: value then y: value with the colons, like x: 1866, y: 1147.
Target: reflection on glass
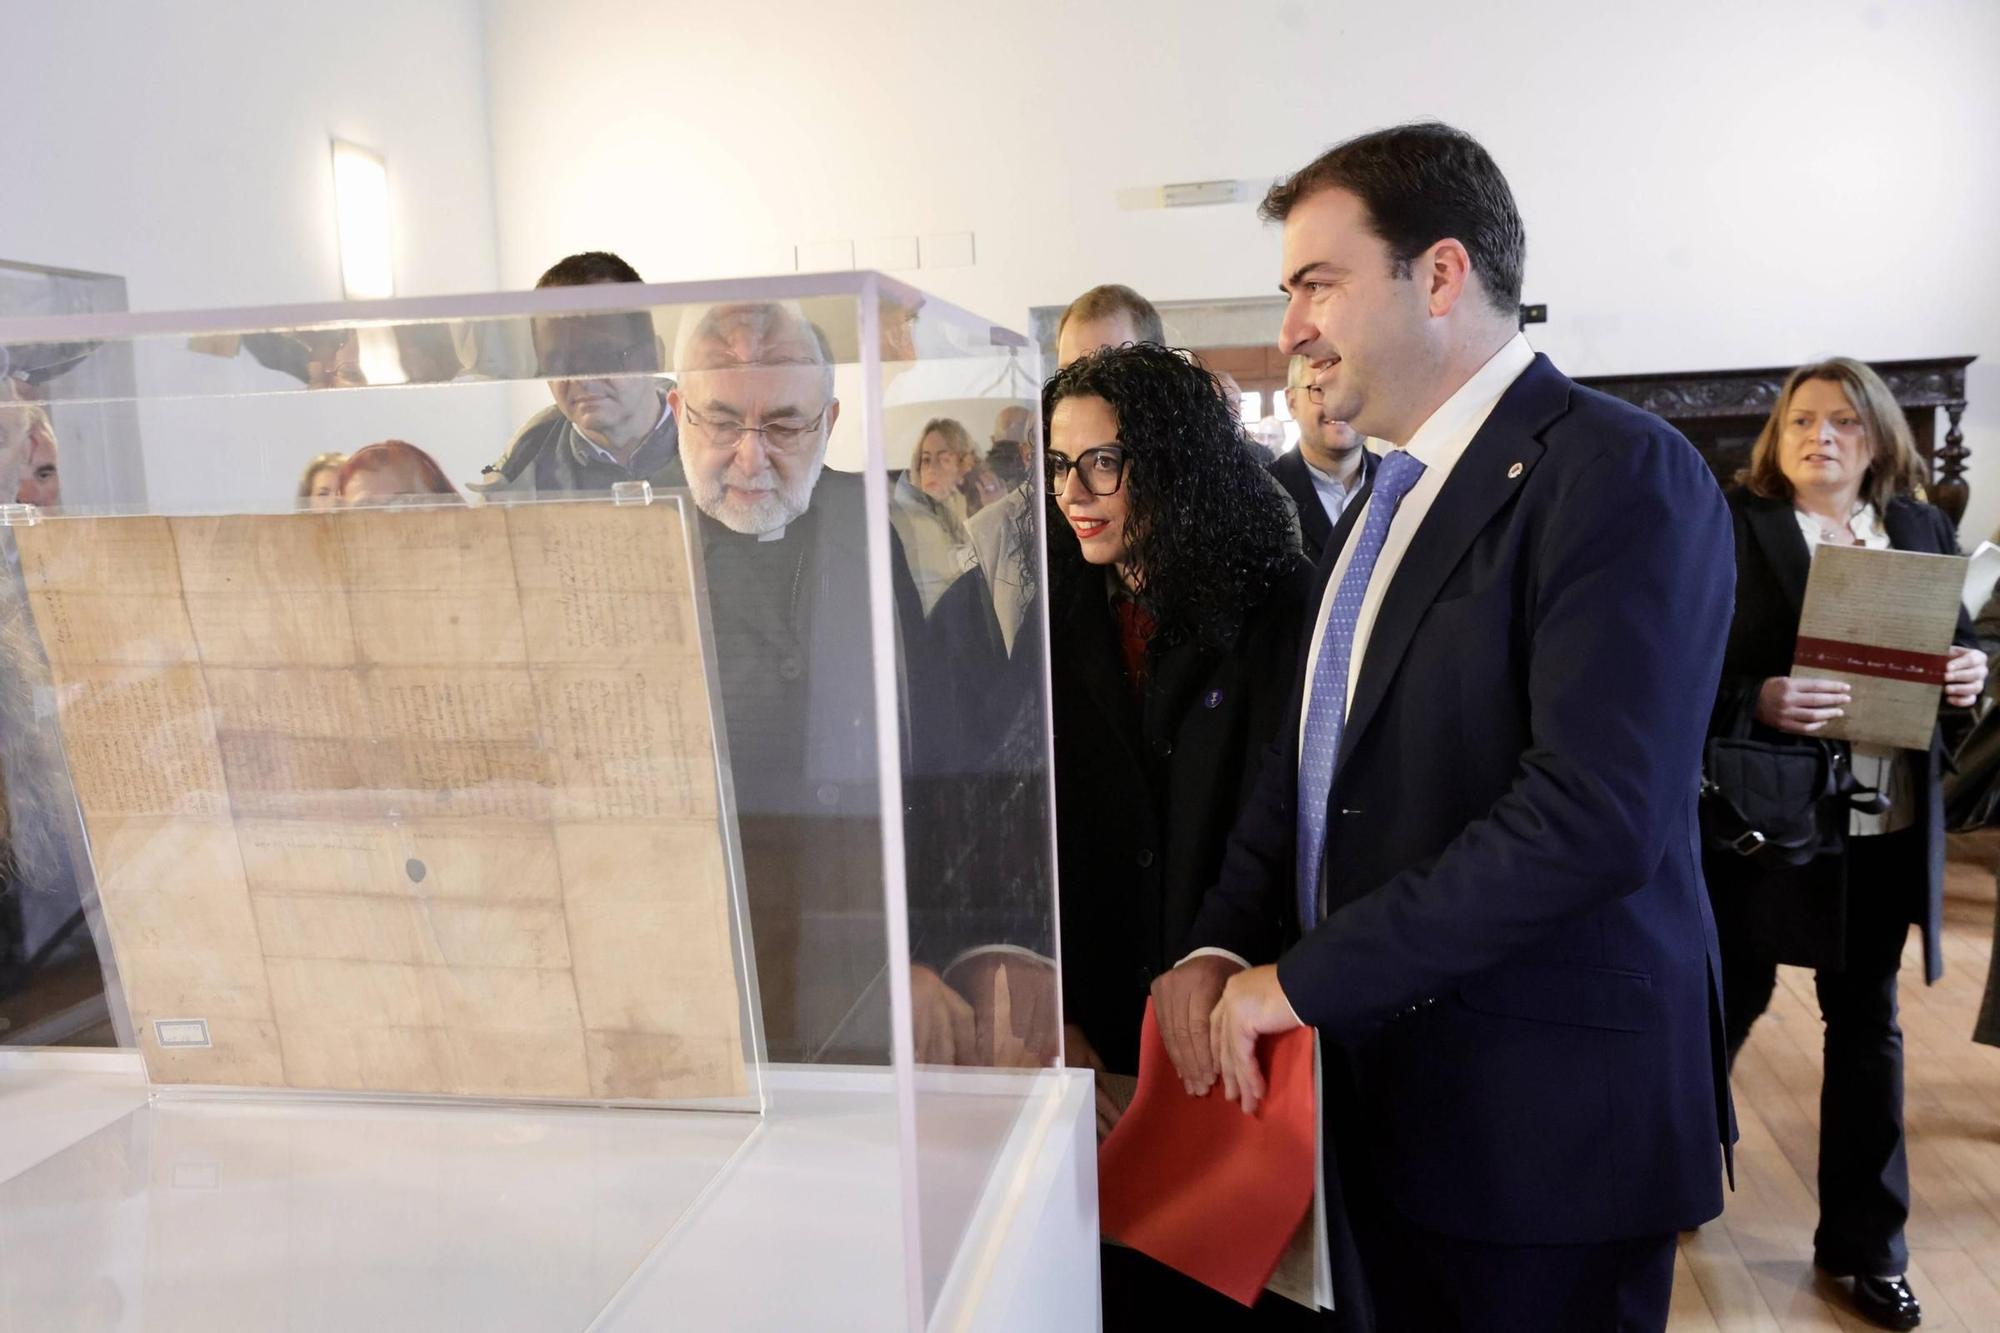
x: 317, y: 484
x: 389, y: 471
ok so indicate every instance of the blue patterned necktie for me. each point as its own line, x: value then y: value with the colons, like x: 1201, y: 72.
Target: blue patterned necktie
x: 1326, y: 713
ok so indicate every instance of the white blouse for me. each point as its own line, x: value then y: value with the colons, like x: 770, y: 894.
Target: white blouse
x: 1882, y: 767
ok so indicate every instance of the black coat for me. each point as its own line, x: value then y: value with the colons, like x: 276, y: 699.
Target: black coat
x: 1146, y: 794
x: 1314, y: 526
x: 1800, y: 915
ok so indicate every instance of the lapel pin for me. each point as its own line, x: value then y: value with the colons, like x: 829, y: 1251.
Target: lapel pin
x: 1514, y: 471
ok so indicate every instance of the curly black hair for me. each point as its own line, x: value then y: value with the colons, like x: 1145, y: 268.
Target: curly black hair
x: 1208, y: 529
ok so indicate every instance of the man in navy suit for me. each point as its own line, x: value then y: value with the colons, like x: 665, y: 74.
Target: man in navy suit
x: 1328, y: 473
x: 1476, y: 862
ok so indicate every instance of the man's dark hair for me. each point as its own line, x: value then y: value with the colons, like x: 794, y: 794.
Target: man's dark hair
x: 583, y: 270
x: 591, y: 266
x: 1421, y: 183
x: 1113, y: 299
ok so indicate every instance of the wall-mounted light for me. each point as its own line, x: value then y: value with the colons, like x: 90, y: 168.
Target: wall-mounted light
x: 361, y: 201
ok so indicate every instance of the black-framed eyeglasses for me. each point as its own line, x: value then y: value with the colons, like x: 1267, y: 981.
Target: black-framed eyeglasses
x: 779, y: 435
x: 1102, y: 469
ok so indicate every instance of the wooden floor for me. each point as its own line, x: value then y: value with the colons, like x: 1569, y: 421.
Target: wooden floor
x: 1752, y: 1268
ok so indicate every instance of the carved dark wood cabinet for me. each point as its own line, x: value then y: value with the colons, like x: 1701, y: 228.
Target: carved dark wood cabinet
x: 1722, y: 411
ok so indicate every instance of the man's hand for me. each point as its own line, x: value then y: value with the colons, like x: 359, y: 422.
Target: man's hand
x: 941, y: 1020
x: 1964, y: 676
x: 1252, y: 1005
x: 1078, y: 1053
x: 1183, y: 999
x: 1802, y: 707
x: 1014, y: 1005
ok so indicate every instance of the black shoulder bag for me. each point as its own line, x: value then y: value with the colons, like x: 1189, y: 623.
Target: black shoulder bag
x: 1779, y: 803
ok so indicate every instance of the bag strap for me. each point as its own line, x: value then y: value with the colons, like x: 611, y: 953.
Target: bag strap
x: 1730, y: 826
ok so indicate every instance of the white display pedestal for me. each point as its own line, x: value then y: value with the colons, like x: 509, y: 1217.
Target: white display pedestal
x: 183, y: 1214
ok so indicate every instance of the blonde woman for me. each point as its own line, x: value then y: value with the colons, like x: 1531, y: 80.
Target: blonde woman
x: 928, y: 510
x: 1835, y: 464
x: 317, y: 489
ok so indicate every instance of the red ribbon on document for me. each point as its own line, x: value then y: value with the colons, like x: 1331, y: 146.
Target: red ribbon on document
x: 1203, y: 1188
x: 1866, y: 659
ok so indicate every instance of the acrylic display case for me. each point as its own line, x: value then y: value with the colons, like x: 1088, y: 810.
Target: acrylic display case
x: 560, y: 807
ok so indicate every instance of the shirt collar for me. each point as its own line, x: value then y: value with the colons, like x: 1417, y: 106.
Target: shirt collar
x: 1327, y: 481
x: 1862, y: 521
x: 1446, y: 433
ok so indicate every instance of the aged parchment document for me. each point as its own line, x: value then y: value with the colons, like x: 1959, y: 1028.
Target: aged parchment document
x: 1882, y: 621
x: 418, y: 801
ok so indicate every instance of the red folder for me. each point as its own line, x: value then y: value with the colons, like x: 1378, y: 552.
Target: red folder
x: 1203, y: 1188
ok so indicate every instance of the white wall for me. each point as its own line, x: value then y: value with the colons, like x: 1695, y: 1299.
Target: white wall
x: 1706, y: 183
x: 184, y: 146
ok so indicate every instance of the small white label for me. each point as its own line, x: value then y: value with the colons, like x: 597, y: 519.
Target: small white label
x: 181, y: 1033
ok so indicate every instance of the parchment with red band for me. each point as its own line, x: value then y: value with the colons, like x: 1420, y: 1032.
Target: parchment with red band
x: 1867, y: 659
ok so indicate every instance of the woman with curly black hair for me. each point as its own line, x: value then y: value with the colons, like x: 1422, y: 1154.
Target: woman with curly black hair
x: 1178, y: 596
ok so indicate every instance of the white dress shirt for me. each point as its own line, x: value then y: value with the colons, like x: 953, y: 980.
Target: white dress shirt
x: 1882, y: 767
x: 1438, y: 445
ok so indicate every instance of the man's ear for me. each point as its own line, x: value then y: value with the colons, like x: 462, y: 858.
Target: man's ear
x: 832, y: 415
x: 674, y: 401
x: 1447, y: 268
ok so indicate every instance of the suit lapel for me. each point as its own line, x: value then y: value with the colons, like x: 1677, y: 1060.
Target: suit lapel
x: 1481, y: 483
x: 1777, y: 535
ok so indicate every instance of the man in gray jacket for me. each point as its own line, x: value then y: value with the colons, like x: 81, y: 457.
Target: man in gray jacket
x: 610, y: 421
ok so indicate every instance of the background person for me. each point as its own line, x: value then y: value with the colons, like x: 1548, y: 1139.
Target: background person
x: 929, y: 511
x: 1012, y: 446
x: 1330, y: 470
x: 41, y: 480
x: 318, y: 487
x: 393, y: 471
x: 610, y: 421
x: 1109, y: 315
x: 1835, y: 464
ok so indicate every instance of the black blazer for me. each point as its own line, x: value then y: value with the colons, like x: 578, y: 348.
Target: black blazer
x: 1146, y: 793
x: 1519, y: 958
x: 1800, y: 915
x: 1314, y: 526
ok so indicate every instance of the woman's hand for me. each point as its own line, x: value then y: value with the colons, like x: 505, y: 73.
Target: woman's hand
x: 1964, y: 676
x: 1802, y: 707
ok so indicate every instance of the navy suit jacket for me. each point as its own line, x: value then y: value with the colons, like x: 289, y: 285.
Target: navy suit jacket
x: 1518, y: 960
x: 1314, y: 526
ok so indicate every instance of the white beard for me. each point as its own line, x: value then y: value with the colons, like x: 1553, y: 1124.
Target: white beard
x: 768, y: 512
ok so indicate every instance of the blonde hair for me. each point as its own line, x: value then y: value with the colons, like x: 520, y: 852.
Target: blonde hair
x: 320, y: 463
x: 1895, y: 469
x: 956, y: 438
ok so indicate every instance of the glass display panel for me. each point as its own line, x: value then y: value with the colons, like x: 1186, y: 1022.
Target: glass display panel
x: 490, y: 488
